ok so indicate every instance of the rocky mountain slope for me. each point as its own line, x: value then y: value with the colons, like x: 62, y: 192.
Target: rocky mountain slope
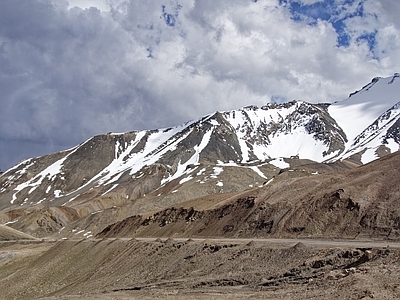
x: 219, y: 157
x: 358, y: 203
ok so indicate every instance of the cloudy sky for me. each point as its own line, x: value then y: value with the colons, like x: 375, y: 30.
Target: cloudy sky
x: 73, y: 69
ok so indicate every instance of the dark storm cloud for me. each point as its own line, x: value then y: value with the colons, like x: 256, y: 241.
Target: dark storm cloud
x: 63, y: 74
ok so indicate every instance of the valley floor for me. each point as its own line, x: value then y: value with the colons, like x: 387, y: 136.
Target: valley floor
x: 199, y: 269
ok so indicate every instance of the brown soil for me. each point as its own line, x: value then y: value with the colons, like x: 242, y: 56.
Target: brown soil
x: 10, y: 234
x: 131, y: 269
x: 362, y: 202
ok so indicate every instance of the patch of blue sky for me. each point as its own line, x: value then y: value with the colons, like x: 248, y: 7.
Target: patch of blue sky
x: 334, y: 11
x: 170, y: 18
x: 312, y: 13
x: 343, y: 38
x: 278, y: 99
x: 368, y: 38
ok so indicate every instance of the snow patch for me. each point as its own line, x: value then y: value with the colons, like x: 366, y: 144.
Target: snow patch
x: 201, y: 172
x: 269, y: 181
x: 279, y: 163
x: 258, y: 171
x: 368, y: 156
x: 213, y: 122
x: 50, y: 173
x: 40, y: 201
x: 110, y: 189
x: 365, y: 106
x: 72, y: 199
x: 298, y: 143
x: 183, y: 168
x: 217, y: 171
x: 185, y: 179
x: 392, y: 145
x: 11, y: 222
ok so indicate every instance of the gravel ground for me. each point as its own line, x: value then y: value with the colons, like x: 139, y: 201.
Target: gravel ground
x: 199, y: 269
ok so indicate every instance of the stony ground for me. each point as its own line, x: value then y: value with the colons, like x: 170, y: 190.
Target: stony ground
x: 111, y: 264
x: 200, y: 269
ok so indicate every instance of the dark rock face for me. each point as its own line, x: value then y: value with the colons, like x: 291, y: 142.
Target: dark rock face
x: 394, y: 132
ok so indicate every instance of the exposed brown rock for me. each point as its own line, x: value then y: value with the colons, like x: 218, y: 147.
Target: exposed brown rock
x: 358, y: 203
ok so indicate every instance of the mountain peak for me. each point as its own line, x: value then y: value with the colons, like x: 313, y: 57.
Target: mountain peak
x: 365, y: 106
x: 362, y: 127
x: 386, y: 80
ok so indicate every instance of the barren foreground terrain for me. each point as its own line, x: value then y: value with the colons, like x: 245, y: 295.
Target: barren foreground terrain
x: 306, y: 234
x: 199, y: 269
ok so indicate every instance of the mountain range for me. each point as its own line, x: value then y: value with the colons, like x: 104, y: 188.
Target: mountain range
x: 224, y: 159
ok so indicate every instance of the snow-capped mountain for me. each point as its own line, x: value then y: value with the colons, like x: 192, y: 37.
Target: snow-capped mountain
x: 130, y: 165
x: 370, y: 118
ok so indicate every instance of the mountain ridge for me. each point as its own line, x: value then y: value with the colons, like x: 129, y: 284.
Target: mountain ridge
x: 339, y: 205
x: 220, y: 153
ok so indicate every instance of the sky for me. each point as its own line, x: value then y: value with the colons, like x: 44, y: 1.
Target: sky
x: 73, y: 69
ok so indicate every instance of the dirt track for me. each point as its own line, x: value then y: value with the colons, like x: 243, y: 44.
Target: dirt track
x: 317, y: 243
x: 200, y: 269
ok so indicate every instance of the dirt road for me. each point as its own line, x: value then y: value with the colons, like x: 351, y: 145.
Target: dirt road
x: 317, y: 243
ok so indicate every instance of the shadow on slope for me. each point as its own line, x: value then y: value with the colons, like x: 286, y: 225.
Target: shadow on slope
x: 362, y: 202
